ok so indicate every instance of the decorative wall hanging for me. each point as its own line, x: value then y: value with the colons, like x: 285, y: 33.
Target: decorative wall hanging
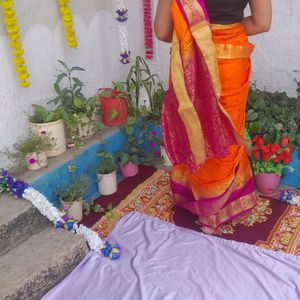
x: 67, y: 18
x: 122, y: 18
x: 148, y: 29
x: 12, y: 28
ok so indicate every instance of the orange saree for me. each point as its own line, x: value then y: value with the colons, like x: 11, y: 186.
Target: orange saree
x: 214, y: 180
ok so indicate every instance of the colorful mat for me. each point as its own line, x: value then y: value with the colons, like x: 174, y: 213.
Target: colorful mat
x: 271, y: 224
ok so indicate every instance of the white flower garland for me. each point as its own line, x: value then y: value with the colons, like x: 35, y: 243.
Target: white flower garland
x: 53, y: 214
x: 122, y: 18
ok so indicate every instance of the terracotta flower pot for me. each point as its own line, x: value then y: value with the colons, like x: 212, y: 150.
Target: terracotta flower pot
x: 129, y: 170
x: 113, y: 105
x: 267, y: 183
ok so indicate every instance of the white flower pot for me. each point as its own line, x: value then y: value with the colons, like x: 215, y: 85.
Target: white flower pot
x: 165, y: 158
x: 107, y: 183
x: 56, y: 131
x: 36, y: 161
x: 75, y: 209
x: 86, y: 127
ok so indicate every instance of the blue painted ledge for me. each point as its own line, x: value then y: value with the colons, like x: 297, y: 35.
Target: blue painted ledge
x: 86, y: 163
x: 292, y: 178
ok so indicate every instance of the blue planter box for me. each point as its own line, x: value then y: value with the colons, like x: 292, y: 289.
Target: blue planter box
x: 289, y: 177
x: 85, y: 163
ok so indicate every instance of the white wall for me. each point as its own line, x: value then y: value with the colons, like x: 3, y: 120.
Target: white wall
x: 276, y: 61
x: 43, y: 41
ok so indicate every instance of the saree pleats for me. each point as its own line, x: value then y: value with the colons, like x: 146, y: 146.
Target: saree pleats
x: 222, y: 186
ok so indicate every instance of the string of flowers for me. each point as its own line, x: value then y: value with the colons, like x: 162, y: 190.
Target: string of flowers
x: 68, y: 22
x: 122, y: 18
x: 21, y: 189
x: 148, y: 29
x: 12, y: 28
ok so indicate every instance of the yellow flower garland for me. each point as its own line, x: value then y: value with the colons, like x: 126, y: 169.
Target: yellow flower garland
x: 12, y: 29
x: 68, y: 22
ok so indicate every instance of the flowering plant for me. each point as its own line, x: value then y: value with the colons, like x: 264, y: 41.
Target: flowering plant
x: 270, y: 158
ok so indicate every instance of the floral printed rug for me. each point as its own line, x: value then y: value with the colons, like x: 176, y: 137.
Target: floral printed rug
x: 270, y: 224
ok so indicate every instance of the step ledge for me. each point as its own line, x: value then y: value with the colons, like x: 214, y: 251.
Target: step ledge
x: 35, y: 266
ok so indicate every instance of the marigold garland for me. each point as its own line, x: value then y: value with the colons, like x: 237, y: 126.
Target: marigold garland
x: 12, y: 29
x: 68, y: 22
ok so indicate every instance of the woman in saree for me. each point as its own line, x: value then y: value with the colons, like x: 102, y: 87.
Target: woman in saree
x: 203, y: 116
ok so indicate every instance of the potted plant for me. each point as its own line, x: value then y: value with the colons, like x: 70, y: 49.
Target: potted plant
x: 145, y: 89
x: 71, y: 195
x: 106, y: 173
x: 30, y: 152
x: 78, y: 112
x: 43, y: 122
x: 268, y: 161
x: 113, y: 104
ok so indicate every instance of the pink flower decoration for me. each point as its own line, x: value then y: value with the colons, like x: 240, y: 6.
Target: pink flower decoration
x: 66, y: 207
x: 153, y: 132
x: 32, y: 161
x: 43, y: 132
x: 157, y: 152
x: 151, y: 145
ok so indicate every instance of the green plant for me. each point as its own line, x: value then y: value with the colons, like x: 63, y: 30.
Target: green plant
x: 74, y: 106
x: 42, y: 115
x: 106, y: 164
x: 24, y: 146
x: 74, y: 191
x: 139, y: 77
x: 268, y: 112
x: 98, y: 208
x: 136, y: 130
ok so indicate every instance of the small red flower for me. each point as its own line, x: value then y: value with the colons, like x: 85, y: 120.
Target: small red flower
x: 288, y: 158
x: 151, y: 145
x: 153, y: 133
x: 256, y: 155
x: 258, y: 140
x: 265, y: 149
x: 290, y: 148
x: 266, y: 156
x: 276, y: 159
x: 284, y: 141
x: 274, y: 148
x: 284, y: 155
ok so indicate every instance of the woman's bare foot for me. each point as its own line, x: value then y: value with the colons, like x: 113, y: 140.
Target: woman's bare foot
x: 207, y: 229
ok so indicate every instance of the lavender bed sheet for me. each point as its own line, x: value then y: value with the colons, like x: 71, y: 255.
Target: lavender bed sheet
x: 161, y: 261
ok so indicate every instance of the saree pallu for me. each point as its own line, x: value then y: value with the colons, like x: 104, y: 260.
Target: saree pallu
x: 204, y: 116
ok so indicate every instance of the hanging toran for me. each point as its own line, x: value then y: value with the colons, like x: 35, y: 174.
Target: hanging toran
x: 67, y: 19
x: 122, y: 18
x: 12, y: 28
x: 148, y: 29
